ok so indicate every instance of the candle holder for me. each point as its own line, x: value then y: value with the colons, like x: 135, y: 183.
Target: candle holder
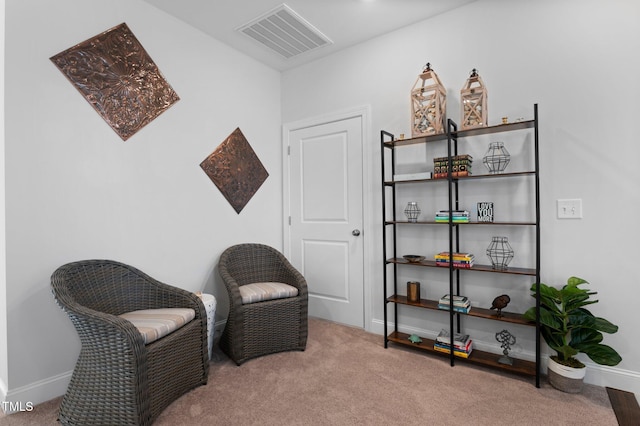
x: 413, y: 291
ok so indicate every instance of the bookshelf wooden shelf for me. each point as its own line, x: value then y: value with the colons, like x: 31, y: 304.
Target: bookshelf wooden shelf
x: 475, y: 311
x: 509, y: 127
x: 392, y: 243
x: 485, y: 359
x: 426, y: 222
x: 461, y: 178
x: 475, y: 267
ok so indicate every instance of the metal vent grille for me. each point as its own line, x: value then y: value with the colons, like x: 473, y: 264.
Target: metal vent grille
x: 285, y: 32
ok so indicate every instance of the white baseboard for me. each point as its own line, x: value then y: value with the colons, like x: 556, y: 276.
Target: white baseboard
x: 26, y: 397
x: 617, y: 378
x: 598, y: 375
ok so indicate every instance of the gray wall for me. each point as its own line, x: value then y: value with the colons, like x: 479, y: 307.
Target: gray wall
x: 576, y: 60
x: 75, y: 190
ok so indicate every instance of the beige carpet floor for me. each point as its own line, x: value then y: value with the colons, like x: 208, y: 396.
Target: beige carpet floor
x: 346, y: 377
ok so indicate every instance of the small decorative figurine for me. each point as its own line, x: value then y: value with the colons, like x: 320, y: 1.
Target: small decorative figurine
x: 506, y: 340
x: 414, y: 338
x: 499, y: 303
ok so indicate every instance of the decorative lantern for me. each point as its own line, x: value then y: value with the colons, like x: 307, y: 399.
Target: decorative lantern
x: 473, y: 101
x: 500, y: 252
x: 497, y: 158
x: 428, y: 104
x: 412, y: 211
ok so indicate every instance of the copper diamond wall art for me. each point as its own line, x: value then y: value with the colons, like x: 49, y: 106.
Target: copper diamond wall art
x: 235, y: 169
x: 117, y: 77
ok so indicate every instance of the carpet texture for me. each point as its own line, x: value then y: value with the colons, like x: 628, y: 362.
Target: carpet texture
x: 346, y: 377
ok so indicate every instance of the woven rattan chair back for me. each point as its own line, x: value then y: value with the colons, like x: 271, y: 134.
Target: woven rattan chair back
x: 266, y: 327
x: 118, y: 380
x: 109, y: 287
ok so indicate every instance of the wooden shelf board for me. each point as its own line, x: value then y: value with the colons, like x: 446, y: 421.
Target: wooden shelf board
x: 433, y: 222
x: 471, y: 177
x: 417, y: 140
x: 475, y: 267
x: 521, y: 125
x: 496, y: 175
x: 510, y: 317
x: 486, y: 359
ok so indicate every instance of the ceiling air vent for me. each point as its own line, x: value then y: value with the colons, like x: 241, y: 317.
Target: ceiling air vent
x: 285, y: 32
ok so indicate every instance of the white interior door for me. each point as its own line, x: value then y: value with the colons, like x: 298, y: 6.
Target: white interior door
x: 326, y: 218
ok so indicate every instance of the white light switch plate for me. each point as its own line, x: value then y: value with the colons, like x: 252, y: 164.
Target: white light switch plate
x: 570, y: 209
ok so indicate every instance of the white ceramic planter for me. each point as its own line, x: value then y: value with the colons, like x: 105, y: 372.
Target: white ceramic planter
x: 566, y: 379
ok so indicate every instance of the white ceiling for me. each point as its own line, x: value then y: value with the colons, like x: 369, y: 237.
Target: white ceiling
x: 344, y: 22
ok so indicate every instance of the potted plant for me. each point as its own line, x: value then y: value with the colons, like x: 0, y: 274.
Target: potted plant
x: 569, y: 329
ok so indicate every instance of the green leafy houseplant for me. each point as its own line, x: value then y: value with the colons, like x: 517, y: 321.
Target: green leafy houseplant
x: 569, y: 328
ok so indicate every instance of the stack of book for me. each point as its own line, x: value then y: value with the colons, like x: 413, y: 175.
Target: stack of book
x: 457, y: 216
x: 460, y: 166
x: 462, y: 344
x: 460, y: 260
x: 461, y: 304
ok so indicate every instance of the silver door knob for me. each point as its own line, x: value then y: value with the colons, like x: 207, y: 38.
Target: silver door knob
x: 355, y: 232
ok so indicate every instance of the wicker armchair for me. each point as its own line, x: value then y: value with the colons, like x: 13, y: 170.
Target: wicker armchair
x: 118, y: 380
x: 265, y: 327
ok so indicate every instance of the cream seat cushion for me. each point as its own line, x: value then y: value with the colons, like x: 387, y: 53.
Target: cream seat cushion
x: 258, y: 292
x: 154, y: 324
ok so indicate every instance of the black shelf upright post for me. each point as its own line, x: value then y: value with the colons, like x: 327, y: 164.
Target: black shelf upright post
x: 384, y: 135
x: 451, y: 151
x: 537, y: 185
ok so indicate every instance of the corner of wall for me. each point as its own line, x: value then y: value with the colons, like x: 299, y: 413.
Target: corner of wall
x: 4, y: 364
x: 26, y: 397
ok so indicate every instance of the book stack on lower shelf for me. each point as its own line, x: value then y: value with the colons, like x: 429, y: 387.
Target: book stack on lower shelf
x: 461, y: 304
x: 460, y: 166
x: 457, y: 216
x: 460, y: 260
x: 462, y: 344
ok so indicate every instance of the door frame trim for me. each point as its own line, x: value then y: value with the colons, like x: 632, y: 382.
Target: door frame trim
x: 364, y: 113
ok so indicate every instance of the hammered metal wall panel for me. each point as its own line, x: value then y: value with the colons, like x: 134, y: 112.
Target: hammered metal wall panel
x: 235, y: 169
x: 118, y: 78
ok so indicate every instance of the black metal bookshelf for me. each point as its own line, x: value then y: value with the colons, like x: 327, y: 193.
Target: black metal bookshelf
x: 394, y: 301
